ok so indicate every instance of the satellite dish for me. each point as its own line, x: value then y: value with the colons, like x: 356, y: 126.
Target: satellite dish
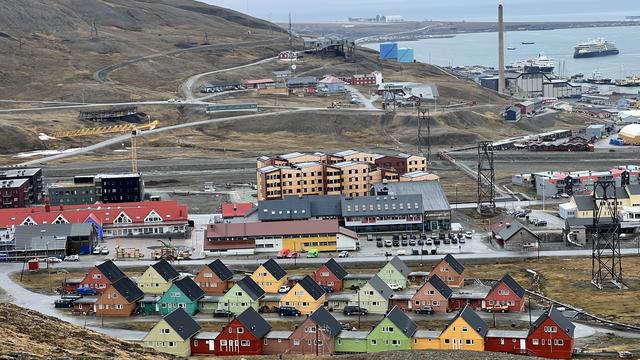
x: 293, y: 67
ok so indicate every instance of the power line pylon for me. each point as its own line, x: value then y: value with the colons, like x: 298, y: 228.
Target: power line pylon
x: 606, y: 258
x: 486, y: 179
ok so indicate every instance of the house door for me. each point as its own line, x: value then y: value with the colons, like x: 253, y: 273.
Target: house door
x: 235, y: 346
x: 523, y: 344
x: 212, y: 345
x: 484, y: 304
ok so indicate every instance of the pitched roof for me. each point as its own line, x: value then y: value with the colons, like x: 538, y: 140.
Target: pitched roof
x: 189, y: 288
x: 258, y: 326
x: 323, y: 318
x: 381, y: 287
x: 336, y: 269
x: 128, y: 289
x: 402, y: 321
x: 440, y: 286
x: 620, y: 192
x: 557, y: 317
x: 508, y: 227
x: 236, y: 209
x: 471, y: 318
x: 400, y: 266
x: 111, y: 271
x: 251, y: 288
x: 220, y: 269
x: 295, y: 207
x: 433, y: 197
x: 166, y: 270
x: 583, y: 202
x: 512, y: 284
x: 274, y: 269
x: 312, y: 287
x: 182, y: 323
x: 454, y: 263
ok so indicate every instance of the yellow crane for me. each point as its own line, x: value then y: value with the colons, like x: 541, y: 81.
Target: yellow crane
x: 121, y: 128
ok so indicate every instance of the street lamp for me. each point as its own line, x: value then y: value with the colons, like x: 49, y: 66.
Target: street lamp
x: 456, y: 196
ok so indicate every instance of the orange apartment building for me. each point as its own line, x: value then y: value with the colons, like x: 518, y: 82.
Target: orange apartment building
x: 349, y: 173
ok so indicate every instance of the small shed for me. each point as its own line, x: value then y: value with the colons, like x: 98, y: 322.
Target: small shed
x: 512, y: 113
x: 596, y: 131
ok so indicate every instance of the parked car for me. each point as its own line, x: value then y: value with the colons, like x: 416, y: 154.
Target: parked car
x: 53, y: 259
x: 413, y: 237
x: 283, y: 253
x: 388, y: 243
x: 564, y: 195
x: 394, y: 286
x: 427, y: 310
x: 104, y: 251
x: 369, y: 237
x: 423, y: 236
x: 446, y: 241
x: 96, y: 250
x: 396, y: 243
x: 379, y: 243
x: 284, y: 289
x: 313, y: 253
x: 441, y: 235
x: 429, y: 242
x: 434, y: 250
x: 541, y: 223
x: 405, y: 237
x: 454, y: 240
x: 405, y: 242
x: 421, y: 242
x: 498, y: 308
x: 293, y: 254
x: 468, y: 235
x: 412, y: 242
x: 343, y: 254
x: 354, y: 310
x: 222, y: 313
x: 396, y: 237
x: 435, y: 242
x: 289, y: 311
x: 72, y: 258
x: 462, y: 240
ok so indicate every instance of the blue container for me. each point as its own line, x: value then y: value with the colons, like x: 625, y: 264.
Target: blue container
x: 405, y: 55
x: 388, y: 51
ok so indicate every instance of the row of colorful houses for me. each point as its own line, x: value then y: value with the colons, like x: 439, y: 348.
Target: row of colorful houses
x: 550, y: 336
x: 161, y: 289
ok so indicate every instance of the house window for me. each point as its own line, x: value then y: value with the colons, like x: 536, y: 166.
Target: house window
x: 558, y: 342
x: 469, y: 341
x: 164, y: 331
x: 97, y: 276
x: 223, y: 342
x: 244, y: 342
x: 450, y: 278
x: 388, y: 329
x: 374, y: 342
x: 550, y: 329
x: 305, y: 304
x: 265, y: 341
x: 395, y: 342
x: 119, y: 307
x: 503, y: 292
x: 430, y: 292
x: 501, y: 341
x: 324, y: 273
x: 534, y: 341
x: 339, y: 341
x: 464, y: 329
x: 447, y: 341
x: 309, y: 342
x: 296, y: 342
x: 240, y: 330
x: 172, y: 344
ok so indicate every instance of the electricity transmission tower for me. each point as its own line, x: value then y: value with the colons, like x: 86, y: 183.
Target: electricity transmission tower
x: 486, y: 179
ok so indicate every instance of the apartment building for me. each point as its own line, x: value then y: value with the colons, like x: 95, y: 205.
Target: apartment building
x: 34, y: 182
x: 104, y: 188
x: 349, y: 173
x: 15, y: 193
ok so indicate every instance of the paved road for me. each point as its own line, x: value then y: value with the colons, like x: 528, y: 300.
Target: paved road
x: 102, y: 75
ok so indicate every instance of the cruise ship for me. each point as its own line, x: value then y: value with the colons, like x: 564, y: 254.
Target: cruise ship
x: 540, y: 63
x: 595, y: 48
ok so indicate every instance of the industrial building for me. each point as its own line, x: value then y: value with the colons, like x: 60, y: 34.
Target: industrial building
x: 630, y: 116
x: 349, y: 173
x: 630, y: 134
x: 49, y: 240
x: 34, y: 183
x: 299, y: 235
x: 529, y: 85
x: 596, y: 131
x: 103, y: 188
x: 436, y: 208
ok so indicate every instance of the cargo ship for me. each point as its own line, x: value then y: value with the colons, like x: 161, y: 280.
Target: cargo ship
x: 632, y: 80
x: 595, y: 48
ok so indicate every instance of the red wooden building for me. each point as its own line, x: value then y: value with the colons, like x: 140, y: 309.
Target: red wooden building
x: 450, y: 271
x: 70, y: 286
x: 101, y: 276
x: 315, y: 335
x: 242, y: 336
x: 330, y: 275
x: 551, y: 336
x: 506, y: 341
x: 508, y: 292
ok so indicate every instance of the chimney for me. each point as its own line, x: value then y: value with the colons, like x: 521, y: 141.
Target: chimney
x: 501, y: 80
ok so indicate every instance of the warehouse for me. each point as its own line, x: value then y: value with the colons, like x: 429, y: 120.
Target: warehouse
x: 50, y: 240
x: 437, y: 211
x: 630, y: 134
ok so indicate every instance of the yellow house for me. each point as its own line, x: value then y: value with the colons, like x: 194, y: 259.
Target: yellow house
x: 425, y: 340
x: 270, y: 276
x: 172, y: 334
x: 466, y: 331
x: 157, y: 278
x: 306, y: 296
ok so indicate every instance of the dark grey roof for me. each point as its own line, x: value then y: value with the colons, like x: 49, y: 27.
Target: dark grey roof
x: 299, y: 208
x: 620, y: 192
x: 400, y: 266
x: 274, y: 269
x: 512, y: 284
x: 251, y: 288
x: 509, y: 227
x: 312, y: 287
x: 433, y: 197
x: 583, y: 202
x: 51, y: 236
x: 220, y: 269
x: 336, y: 269
x: 182, y: 323
x: 382, y: 205
x: 190, y: 288
x: 166, y: 270
x: 381, y: 287
x: 402, y: 321
x: 471, y: 318
x: 128, y: 289
x: 326, y: 321
x: 634, y: 189
x: 110, y: 271
x: 459, y: 268
x: 258, y: 326
x: 557, y: 317
x: 440, y: 286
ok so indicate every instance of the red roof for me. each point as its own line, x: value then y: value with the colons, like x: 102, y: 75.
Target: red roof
x: 234, y: 210
x: 104, y: 214
x: 277, y: 228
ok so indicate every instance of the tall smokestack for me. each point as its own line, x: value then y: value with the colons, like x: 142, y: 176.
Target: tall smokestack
x: 501, y: 81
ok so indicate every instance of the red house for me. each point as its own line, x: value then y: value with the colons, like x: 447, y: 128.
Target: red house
x: 330, y: 275
x: 242, y: 336
x: 551, y: 336
x: 450, y: 271
x: 508, y: 292
x: 506, y: 341
x: 100, y: 276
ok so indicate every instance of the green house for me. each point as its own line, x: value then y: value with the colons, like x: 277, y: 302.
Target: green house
x: 208, y: 304
x: 172, y: 334
x: 184, y: 294
x: 244, y: 294
x: 149, y: 304
x: 157, y: 278
x: 394, y: 332
x: 395, y: 272
x: 350, y: 342
x: 373, y: 296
